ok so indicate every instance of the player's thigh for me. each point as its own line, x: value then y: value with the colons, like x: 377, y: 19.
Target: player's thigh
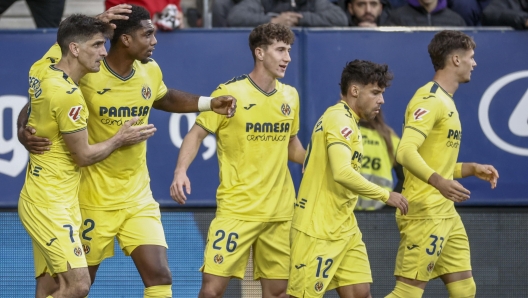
x: 455, y: 255
x: 142, y: 226
x: 55, y: 237
x: 354, y: 268
x: 314, y: 263
x: 421, y: 243
x: 228, y: 246
x: 271, y: 251
x: 98, y: 229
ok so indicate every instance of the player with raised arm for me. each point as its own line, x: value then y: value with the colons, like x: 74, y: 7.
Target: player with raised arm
x: 434, y: 242
x: 327, y: 250
x: 48, y: 205
x: 256, y: 193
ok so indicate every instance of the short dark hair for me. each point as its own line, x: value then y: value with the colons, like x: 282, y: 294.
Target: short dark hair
x: 138, y: 14
x: 80, y: 28
x: 264, y: 35
x: 446, y: 42
x: 365, y: 72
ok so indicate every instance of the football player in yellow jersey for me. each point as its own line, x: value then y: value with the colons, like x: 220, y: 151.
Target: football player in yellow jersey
x: 433, y: 241
x: 327, y: 251
x: 115, y: 196
x: 379, y: 159
x: 48, y: 205
x: 256, y: 193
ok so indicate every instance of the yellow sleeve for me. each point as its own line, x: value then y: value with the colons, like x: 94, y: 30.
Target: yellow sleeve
x: 408, y: 156
x: 457, y: 173
x: 422, y: 114
x: 69, y: 111
x: 211, y: 121
x: 162, y: 88
x: 339, y: 157
x: 296, y: 120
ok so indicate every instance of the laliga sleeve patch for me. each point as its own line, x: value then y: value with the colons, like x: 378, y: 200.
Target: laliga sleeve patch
x: 419, y: 113
x: 75, y: 113
x: 346, y: 132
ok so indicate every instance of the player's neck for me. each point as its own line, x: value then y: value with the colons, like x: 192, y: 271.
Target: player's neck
x: 447, y: 81
x: 263, y: 79
x: 119, y: 62
x: 72, y: 68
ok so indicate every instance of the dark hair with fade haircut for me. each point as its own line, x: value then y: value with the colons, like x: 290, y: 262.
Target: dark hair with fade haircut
x: 138, y: 14
x: 445, y: 43
x: 265, y: 34
x: 365, y: 72
x: 80, y: 28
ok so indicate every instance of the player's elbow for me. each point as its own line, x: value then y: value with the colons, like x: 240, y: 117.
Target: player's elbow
x: 81, y: 160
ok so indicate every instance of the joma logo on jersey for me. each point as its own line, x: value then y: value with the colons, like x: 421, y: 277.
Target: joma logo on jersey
x: 267, y: 127
x: 357, y: 156
x: 124, y: 111
x: 146, y: 92
x: 74, y: 113
x: 419, y: 113
x: 455, y: 134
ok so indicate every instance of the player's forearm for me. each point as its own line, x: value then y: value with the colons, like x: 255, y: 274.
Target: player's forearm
x: 296, y: 151
x: 467, y: 169
x: 190, y: 146
x: 408, y: 156
x: 92, y: 154
x: 176, y: 101
x: 344, y: 174
x: 22, y: 119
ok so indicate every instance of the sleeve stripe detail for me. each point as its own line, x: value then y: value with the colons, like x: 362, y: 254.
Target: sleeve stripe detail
x: 73, y: 131
x: 416, y: 129
x: 339, y: 143
x: 207, y: 129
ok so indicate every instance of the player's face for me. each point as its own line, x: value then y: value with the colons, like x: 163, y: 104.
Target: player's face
x: 276, y: 58
x: 467, y: 64
x: 143, y: 41
x: 92, y: 52
x: 365, y: 10
x: 370, y: 99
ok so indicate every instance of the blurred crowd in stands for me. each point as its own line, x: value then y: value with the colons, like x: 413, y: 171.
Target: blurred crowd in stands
x: 168, y: 14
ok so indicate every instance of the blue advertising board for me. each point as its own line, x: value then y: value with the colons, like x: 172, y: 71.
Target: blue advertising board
x: 493, y: 106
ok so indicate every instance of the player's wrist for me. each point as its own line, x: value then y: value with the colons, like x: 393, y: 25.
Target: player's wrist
x: 204, y: 103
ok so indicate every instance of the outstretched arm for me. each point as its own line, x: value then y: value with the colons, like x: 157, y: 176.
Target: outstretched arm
x: 189, y: 149
x: 176, y: 101
x: 484, y: 172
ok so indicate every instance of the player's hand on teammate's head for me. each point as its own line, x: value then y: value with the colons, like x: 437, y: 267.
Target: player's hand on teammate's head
x: 180, y: 182
x: 131, y: 133
x: 31, y: 142
x: 115, y: 13
x: 398, y: 201
x: 224, y: 105
x: 488, y: 173
x: 450, y: 189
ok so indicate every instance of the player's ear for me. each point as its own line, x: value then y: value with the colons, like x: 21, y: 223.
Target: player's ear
x: 456, y: 59
x: 353, y: 90
x: 125, y: 39
x: 74, y: 49
x: 259, y: 54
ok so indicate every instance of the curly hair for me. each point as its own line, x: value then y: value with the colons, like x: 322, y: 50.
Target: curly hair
x: 365, y: 72
x: 445, y: 43
x: 265, y: 34
x: 138, y: 14
x: 80, y: 28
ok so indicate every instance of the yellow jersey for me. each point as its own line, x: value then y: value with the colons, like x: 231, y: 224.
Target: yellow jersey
x: 324, y: 207
x: 57, y: 107
x: 252, y: 148
x: 432, y: 113
x: 122, y: 179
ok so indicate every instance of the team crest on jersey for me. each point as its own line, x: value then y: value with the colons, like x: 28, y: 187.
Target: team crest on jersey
x: 419, y: 113
x: 146, y: 92
x: 318, y: 287
x: 75, y: 113
x: 346, y: 132
x: 285, y: 109
x: 77, y: 251
x: 86, y: 249
x: 218, y: 259
x: 430, y: 267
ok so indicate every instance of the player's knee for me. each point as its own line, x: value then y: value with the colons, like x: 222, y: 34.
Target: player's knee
x: 465, y: 288
x: 79, y: 289
x: 162, y: 276
x: 210, y: 292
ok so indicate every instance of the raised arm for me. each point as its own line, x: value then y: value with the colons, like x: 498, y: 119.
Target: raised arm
x: 176, y: 101
x: 84, y: 154
x: 189, y: 149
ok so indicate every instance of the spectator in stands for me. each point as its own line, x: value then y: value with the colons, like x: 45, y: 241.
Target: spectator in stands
x: 367, y: 13
x: 46, y: 14
x: 165, y: 13
x: 304, y: 13
x: 425, y: 13
x: 469, y: 10
x: 221, y: 10
x: 513, y: 13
